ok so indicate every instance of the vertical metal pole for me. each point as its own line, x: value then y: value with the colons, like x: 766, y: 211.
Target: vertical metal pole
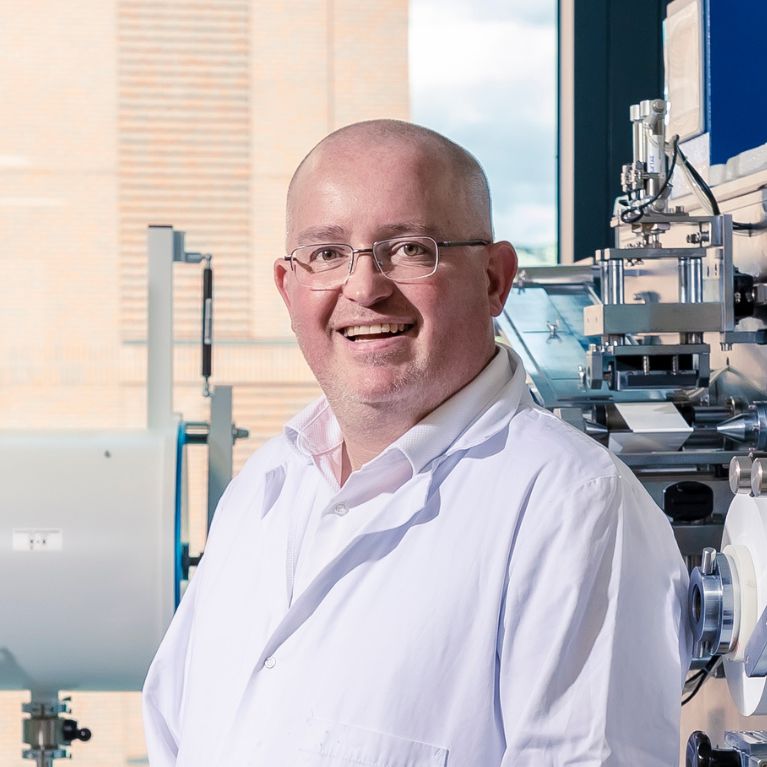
x: 695, y: 280
x: 160, y: 249
x: 220, y: 446
x: 684, y: 288
x: 615, y: 282
x: 690, y: 280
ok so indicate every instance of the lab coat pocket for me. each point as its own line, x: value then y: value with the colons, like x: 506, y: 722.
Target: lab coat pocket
x: 331, y: 744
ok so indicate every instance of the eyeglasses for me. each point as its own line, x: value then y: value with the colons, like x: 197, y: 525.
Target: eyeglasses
x: 401, y: 259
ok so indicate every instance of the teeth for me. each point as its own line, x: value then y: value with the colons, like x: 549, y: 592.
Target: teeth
x: 367, y: 330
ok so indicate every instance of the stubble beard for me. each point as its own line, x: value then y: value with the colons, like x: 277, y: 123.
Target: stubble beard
x: 351, y: 397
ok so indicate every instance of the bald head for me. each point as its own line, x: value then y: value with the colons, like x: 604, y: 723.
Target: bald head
x: 442, y: 158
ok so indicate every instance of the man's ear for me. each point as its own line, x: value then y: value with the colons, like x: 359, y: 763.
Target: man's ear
x: 281, y: 277
x: 501, y: 269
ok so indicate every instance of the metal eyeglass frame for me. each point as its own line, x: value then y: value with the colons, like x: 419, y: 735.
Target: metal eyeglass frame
x: 371, y: 250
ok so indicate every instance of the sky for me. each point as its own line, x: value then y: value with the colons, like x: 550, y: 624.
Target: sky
x: 484, y: 74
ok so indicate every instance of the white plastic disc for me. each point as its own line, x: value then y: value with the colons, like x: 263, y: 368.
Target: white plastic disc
x: 745, y: 541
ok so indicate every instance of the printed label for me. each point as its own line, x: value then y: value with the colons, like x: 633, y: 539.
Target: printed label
x: 38, y: 539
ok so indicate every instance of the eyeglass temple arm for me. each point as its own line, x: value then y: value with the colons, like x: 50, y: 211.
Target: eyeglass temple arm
x: 464, y: 243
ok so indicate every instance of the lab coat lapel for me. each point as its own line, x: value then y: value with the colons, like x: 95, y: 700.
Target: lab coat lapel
x: 380, y: 536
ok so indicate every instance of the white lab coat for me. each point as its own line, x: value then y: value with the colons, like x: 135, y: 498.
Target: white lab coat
x: 518, y: 602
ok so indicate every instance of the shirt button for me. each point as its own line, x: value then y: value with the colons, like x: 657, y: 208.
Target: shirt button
x: 341, y: 509
x: 270, y: 662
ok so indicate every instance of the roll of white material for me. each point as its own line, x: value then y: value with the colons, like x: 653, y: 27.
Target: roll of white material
x: 745, y: 542
x: 87, y: 551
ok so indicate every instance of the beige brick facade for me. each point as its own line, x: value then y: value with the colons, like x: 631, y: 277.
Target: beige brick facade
x: 121, y: 113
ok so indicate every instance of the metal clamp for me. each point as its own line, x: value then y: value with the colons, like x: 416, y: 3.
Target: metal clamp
x: 47, y: 733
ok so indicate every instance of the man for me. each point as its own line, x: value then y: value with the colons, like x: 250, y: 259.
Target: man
x: 425, y: 568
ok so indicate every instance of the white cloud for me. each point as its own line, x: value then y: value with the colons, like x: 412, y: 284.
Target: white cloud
x: 485, y: 75
x: 449, y: 45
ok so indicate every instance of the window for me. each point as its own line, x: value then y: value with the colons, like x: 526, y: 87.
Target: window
x: 484, y: 74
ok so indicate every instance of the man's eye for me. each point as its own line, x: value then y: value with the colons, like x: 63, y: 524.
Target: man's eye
x: 326, y: 255
x: 409, y: 249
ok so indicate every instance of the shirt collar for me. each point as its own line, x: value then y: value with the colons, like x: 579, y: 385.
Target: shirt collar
x: 433, y: 435
x: 469, y: 417
x: 315, y: 430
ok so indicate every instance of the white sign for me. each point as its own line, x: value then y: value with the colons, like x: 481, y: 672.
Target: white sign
x: 37, y: 539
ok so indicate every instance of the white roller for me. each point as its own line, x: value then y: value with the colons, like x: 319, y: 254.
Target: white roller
x: 87, y: 541
x: 745, y: 543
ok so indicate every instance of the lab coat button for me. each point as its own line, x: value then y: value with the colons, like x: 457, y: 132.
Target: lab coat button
x: 341, y: 509
x: 270, y: 662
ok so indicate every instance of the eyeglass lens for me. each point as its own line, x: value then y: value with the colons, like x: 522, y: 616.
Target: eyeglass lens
x: 400, y: 259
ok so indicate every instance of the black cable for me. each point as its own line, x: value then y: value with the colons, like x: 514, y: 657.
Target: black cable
x: 686, y: 700
x: 700, y: 183
x: 760, y: 226
x: 701, y: 677
x: 694, y: 678
x: 713, y: 204
x: 632, y: 214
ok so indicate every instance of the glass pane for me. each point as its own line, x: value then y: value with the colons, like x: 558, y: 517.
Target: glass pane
x: 484, y: 74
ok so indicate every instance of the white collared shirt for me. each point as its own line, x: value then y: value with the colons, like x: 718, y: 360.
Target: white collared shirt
x: 330, y: 515
x: 514, y: 597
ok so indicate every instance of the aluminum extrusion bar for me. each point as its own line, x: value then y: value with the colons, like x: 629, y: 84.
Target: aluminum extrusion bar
x: 161, y: 245
x: 562, y: 274
x: 679, y: 458
x: 610, y: 319
x: 644, y: 254
x: 220, y: 446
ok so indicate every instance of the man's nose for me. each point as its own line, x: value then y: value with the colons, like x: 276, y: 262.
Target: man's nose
x: 366, y: 285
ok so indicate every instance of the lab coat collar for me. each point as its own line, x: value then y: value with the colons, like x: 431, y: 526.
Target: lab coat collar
x: 314, y: 430
x: 503, y: 406
x: 466, y: 419
x: 470, y: 416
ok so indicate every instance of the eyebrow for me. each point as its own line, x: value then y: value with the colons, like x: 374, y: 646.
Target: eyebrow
x: 314, y: 234
x: 333, y: 233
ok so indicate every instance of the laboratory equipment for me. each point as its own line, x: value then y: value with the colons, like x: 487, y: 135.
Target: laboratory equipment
x: 94, y: 558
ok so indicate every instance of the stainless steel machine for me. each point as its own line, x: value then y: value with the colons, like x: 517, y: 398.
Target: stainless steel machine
x: 636, y: 346
x: 655, y: 347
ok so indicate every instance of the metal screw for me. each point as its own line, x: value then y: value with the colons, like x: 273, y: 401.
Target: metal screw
x: 238, y: 433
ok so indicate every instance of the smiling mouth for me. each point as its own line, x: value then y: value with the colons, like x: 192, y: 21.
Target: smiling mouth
x: 372, y: 332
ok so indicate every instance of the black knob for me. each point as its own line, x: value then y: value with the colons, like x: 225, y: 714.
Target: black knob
x: 700, y: 753
x: 71, y: 732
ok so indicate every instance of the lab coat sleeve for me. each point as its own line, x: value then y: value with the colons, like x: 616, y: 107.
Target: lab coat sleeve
x: 592, y: 644
x: 164, y: 686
